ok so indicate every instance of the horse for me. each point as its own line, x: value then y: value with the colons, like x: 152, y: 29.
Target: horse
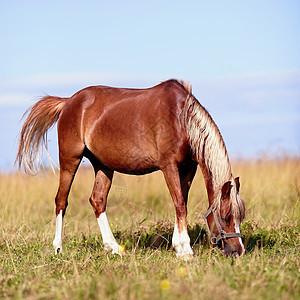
x: 138, y: 131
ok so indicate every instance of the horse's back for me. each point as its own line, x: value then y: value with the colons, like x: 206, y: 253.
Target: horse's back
x: 127, y: 129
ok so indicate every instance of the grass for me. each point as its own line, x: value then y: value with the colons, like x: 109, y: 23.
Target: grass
x: 141, y: 214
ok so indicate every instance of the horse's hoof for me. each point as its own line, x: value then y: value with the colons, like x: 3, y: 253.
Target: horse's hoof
x: 185, y: 257
x: 57, y: 245
x: 58, y: 250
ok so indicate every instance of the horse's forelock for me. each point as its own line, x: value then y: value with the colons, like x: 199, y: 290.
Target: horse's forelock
x: 241, y: 208
x: 238, y: 207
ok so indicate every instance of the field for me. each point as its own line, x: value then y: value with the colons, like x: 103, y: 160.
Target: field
x: 141, y: 214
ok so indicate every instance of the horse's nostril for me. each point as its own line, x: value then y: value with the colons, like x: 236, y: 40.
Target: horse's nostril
x: 232, y: 253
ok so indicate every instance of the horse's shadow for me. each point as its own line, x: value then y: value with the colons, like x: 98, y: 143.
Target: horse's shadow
x: 159, y: 235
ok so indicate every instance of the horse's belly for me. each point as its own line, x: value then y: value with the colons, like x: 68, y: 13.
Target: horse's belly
x: 124, y: 152
x: 132, y: 161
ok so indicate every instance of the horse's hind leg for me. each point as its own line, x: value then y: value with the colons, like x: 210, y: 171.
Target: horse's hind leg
x: 98, y: 200
x: 68, y: 168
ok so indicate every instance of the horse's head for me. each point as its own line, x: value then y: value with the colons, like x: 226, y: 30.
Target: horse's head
x: 224, y: 221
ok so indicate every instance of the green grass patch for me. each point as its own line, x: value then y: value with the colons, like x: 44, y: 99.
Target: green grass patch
x: 150, y: 270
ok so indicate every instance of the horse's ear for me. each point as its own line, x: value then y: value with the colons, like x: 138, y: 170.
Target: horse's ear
x: 226, y: 188
x: 237, y: 183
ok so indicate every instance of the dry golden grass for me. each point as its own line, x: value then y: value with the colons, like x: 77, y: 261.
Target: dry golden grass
x: 269, y: 188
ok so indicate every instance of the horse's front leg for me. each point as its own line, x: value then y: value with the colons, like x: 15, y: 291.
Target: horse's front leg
x: 180, y: 239
x: 98, y: 201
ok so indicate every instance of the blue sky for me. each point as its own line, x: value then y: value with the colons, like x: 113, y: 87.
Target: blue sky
x: 242, y: 58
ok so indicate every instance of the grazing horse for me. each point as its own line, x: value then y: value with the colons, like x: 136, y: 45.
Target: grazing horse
x: 138, y: 131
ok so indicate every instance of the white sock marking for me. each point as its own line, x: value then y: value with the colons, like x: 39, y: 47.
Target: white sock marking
x: 107, y: 236
x: 57, y: 242
x: 181, y: 242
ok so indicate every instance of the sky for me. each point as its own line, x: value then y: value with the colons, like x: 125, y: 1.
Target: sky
x: 241, y: 57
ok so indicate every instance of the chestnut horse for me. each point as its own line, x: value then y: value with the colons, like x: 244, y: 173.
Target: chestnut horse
x: 138, y: 131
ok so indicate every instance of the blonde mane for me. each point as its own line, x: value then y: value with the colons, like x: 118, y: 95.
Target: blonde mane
x: 210, y: 151
x: 206, y: 142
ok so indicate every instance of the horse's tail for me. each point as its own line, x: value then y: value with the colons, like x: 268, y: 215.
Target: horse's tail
x: 42, y: 116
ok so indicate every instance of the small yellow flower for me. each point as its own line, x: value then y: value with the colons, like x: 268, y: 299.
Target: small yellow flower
x: 165, y: 285
x: 181, y: 271
x: 122, y: 248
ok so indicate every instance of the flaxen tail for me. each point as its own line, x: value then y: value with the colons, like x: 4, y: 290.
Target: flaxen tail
x: 42, y: 116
